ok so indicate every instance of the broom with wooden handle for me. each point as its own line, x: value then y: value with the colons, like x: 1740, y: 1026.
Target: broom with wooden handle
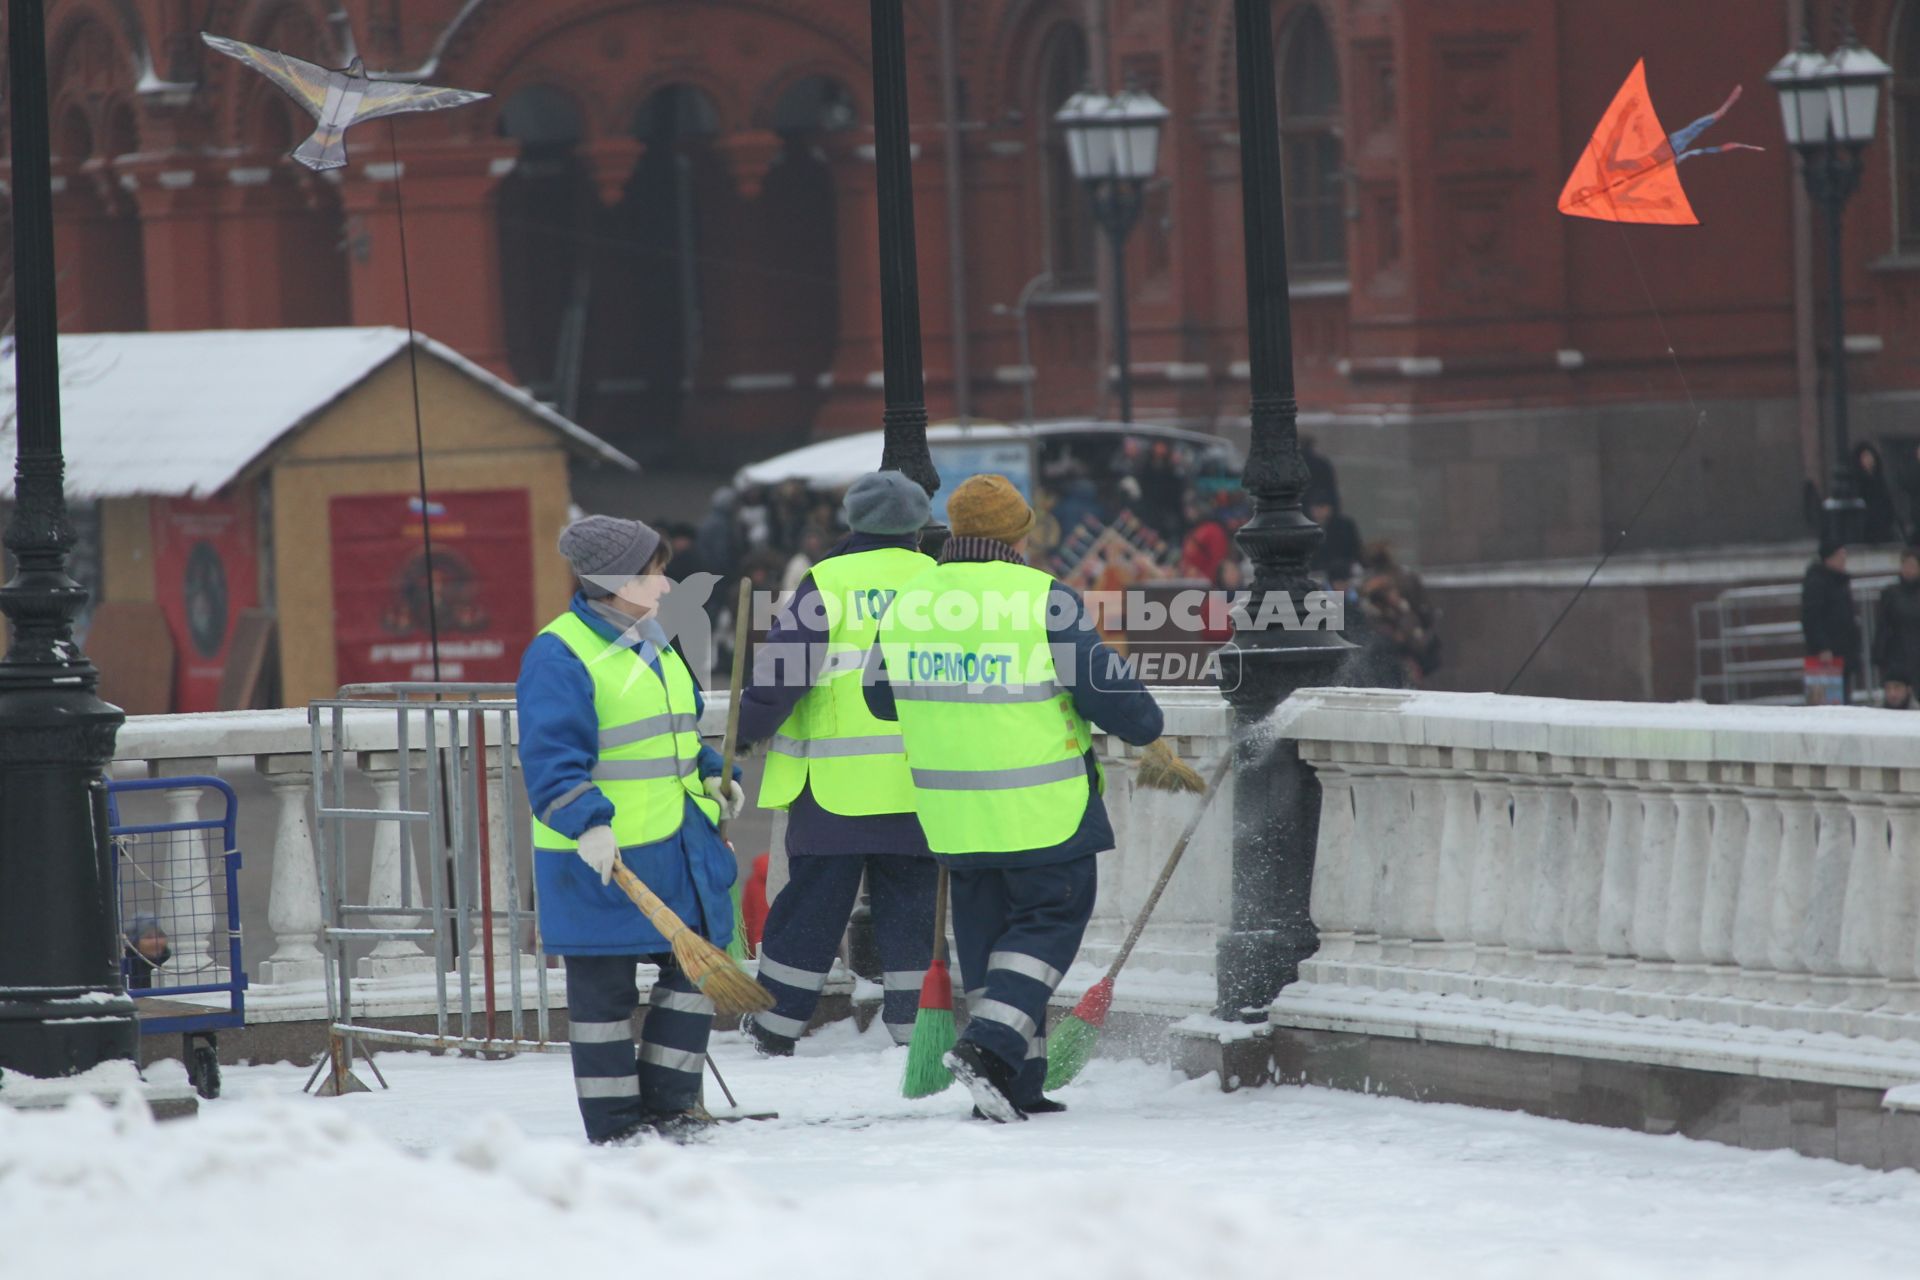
x: 742, y: 624
x: 1071, y: 1043
x: 712, y: 970
x: 933, y: 1029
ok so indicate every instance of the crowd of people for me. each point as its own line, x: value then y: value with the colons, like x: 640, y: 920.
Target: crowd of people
x: 1835, y: 645
x: 1388, y: 610
x: 1838, y: 648
x: 1154, y: 513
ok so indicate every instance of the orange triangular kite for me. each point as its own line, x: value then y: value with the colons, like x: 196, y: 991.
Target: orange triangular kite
x: 1627, y: 172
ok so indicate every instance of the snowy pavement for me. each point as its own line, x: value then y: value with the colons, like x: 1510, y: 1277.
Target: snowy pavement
x: 477, y: 1169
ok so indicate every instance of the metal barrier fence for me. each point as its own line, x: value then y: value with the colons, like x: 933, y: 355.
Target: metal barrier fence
x: 1748, y: 646
x: 177, y: 886
x: 459, y: 815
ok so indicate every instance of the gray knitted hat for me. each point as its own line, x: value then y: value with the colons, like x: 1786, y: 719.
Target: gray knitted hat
x: 607, y: 547
x: 886, y: 502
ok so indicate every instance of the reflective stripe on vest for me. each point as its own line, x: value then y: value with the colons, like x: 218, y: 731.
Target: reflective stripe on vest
x: 996, y: 752
x: 649, y: 738
x: 831, y: 744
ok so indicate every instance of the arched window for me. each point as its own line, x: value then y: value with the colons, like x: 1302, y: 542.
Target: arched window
x: 1906, y: 126
x: 1310, y: 147
x: 1069, y: 219
x: 676, y: 113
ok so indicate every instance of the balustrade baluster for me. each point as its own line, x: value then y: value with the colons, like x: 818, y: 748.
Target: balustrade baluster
x: 1546, y: 929
x: 1687, y: 880
x: 1330, y: 904
x: 1759, y: 884
x: 393, y: 878
x: 1453, y: 888
x: 1867, y: 877
x: 1586, y: 883
x: 1826, y: 905
x: 1494, y: 792
x: 1726, y: 858
x: 1897, y: 932
x: 293, y: 901
x: 1799, y: 832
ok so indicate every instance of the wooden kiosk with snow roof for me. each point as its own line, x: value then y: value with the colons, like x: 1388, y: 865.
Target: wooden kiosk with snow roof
x: 232, y: 479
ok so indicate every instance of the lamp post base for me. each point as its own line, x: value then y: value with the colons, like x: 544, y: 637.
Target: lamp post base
x: 63, y: 1006
x: 1276, y: 821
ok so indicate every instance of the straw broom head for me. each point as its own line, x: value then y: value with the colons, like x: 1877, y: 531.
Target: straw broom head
x: 1161, y: 770
x: 712, y: 970
x: 933, y: 1035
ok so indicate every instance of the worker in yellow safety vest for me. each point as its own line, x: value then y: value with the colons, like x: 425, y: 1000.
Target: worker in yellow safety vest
x: 616, y: 772
x: 840, y: 773
x: 996, y: 675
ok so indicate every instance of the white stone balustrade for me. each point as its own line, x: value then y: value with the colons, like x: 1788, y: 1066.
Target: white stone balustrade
x: 1171, y: 971
x: 1734, y: 887
x: 267, y: 757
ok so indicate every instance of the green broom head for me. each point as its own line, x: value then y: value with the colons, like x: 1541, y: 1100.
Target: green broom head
x: 933, y: 1036
x: 1071, y: 1043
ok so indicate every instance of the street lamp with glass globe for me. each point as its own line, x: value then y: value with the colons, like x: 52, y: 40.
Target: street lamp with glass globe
x: 1830, y: 105
x: 1113, y: 143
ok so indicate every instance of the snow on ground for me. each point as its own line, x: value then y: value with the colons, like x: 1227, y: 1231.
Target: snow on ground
x: 470, y: 1169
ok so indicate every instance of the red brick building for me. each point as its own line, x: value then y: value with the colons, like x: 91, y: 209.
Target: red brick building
x: 664, y: 222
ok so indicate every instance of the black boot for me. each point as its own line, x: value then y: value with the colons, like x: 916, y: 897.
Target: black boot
x: 682, y: 1127
x: 988, y: 1079
x: 766, y: 1043
x: 1038, y: 1107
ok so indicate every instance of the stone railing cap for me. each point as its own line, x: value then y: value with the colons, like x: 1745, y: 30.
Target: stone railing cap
x: 1840, y: 736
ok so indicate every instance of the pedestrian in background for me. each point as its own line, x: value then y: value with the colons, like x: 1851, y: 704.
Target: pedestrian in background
x: 1871, y: 485
x: 1896, y: 625
x: 1827, y: 619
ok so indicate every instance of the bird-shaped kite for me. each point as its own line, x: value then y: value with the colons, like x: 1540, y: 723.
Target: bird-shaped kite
x: 337, y: 100
x: 1628, y: 171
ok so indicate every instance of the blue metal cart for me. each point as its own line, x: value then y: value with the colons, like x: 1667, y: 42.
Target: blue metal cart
x: 179, y: 911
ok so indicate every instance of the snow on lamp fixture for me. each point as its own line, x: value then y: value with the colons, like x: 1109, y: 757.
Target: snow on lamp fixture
x: 1854, y: 80
x: 1800, y: 79
x: 1113, y: 138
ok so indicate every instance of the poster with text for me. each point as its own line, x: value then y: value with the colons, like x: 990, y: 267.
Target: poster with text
x: 482, y: 585
x: 206, y: 568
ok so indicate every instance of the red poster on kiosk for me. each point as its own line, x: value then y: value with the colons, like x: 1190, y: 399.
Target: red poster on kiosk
x: 206, y: 568
x: 482, y: 578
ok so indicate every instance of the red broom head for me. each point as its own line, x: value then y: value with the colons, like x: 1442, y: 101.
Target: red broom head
x: 1094, y: 1005
x: 937, y: 991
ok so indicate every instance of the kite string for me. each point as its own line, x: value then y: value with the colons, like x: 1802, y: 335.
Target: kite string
x: 419, y: 433
x: 1686, y: 442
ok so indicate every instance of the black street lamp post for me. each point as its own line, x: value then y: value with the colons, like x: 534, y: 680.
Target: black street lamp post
x: 1276, y: 812
x: 63, y: 1004
x: 1113, y: 144
x: 1830, y: 106
x: 904, y: 421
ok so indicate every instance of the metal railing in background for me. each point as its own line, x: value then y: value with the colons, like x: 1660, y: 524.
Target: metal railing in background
x: 458, y: 813
x: 1748, y: 646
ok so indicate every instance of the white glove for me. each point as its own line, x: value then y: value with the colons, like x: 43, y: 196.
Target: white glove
x: 599, y: 850
x: 728, y: 795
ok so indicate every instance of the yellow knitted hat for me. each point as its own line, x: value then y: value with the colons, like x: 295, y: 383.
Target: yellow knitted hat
x: 988, y: 506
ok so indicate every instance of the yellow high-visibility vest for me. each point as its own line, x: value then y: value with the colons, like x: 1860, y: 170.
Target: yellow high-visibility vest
x: 852, y: 761
x: 649, y: 739
x: 994, y: 746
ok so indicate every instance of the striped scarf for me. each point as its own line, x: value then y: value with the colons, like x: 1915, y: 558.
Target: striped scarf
x: 978, y: 551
